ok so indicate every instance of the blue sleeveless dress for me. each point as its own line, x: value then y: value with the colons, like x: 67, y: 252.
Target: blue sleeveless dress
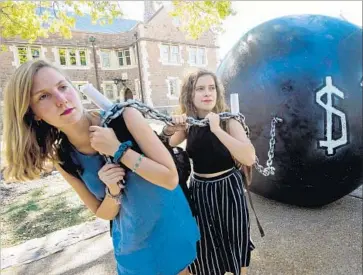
x: 154, y: 232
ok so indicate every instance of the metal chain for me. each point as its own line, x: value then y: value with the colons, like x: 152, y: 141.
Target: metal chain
x: 118, y: 108
x: 269, y: 170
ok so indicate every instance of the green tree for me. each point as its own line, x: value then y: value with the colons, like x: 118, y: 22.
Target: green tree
x: 34, y: 19
x: 200, y: 16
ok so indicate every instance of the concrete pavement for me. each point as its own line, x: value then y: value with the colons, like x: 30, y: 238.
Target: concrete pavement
x: 325, y: 241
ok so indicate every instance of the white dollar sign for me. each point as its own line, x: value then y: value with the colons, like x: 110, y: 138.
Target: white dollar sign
x: 331, y: 90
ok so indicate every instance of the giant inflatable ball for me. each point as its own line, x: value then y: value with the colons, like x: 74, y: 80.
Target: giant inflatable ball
x: 306, y: 70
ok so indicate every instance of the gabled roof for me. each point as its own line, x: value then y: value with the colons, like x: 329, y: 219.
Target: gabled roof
x: 155, y: 13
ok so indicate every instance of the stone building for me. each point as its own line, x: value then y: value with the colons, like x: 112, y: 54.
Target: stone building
x: 144, y: 60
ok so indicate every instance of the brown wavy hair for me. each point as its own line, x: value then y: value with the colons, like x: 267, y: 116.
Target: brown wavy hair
x: 29, y: 144
x: 186, y: 105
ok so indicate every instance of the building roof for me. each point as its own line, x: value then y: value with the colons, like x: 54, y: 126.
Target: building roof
x: 118, y: 25
x: 154, y: 14
x: 84, y: 23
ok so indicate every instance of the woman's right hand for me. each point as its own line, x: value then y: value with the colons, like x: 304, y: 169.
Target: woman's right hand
x: 180, y: 124
x: 110, y: 174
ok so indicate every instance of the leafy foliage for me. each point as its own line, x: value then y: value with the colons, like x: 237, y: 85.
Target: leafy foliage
x: 33, y: 19
x: 200, y: 16
x: 30, y: 20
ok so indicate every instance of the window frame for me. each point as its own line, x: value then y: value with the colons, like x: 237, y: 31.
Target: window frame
x: 115, y: 92
x: 28, y: 53
x: 195, y: 50
x: 68, y: 57
x: 176, y: 95
x: 167, y: 54
x: 77, y: 84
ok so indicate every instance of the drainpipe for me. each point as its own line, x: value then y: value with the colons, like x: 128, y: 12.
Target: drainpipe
x: 139, y: 67
x: 92, y: 39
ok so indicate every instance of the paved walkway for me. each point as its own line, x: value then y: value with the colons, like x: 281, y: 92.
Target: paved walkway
x: 325, y: 241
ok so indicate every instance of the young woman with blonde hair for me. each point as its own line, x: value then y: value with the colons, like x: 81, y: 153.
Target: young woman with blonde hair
x: 216, y: 185
x: 153, y: 229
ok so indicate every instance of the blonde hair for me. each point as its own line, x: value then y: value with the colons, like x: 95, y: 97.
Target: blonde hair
x: 28, y: 143
x: 186, y: 105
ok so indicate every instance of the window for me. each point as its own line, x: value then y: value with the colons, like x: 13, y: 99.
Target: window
x: 78, y: 85
x: 165, y: 53
x: 63, y: 57
x: 106, y: 59
x: 72, y: 57
x: 201, y: 56
x: 124, y: 58
x: 110, y: 90
x: 26, y: 53
x: 82, y: 57
x: 35, y: 53
x: 128, y: 57
x: 170, y: 53
x: 197, y: 56
x: 173, y: 87
x: 120, y: 56
x: 22, y: 54
x: 174, y: 54
x: 193, y: 56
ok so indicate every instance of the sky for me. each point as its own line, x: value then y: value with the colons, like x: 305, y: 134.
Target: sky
x: 251, y: 13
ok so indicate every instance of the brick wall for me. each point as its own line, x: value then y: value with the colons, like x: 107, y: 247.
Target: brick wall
x: 163, y: 23
x: 163, y: 29
x: 160, y: 29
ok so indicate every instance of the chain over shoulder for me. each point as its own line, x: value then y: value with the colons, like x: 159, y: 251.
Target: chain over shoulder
x: 118, y: 108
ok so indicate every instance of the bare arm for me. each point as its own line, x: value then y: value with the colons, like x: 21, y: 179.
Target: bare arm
x: 237, y: 142
x: 107, y: 209
x: 157, y: 166
x: 178, y: 132
x: 177, y: 138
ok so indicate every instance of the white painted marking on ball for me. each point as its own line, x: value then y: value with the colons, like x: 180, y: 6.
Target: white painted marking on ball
x: 331, y: 90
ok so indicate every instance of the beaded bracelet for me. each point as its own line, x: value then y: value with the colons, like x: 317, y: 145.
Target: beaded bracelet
x: 137, y: 164
x: 117, y: 198
x: 121, y: 151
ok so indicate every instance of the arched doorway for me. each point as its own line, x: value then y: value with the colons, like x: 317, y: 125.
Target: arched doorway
x: 128, y: 94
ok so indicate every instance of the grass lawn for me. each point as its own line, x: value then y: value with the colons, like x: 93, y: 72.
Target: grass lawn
x: 39, y: 207
x: 39, y: 211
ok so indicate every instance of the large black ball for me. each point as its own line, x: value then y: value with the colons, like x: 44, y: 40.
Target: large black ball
x: 307, y: 70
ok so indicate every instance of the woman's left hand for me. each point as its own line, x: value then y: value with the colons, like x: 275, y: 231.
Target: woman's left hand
x: 104, y: 140
x: 213, y: 122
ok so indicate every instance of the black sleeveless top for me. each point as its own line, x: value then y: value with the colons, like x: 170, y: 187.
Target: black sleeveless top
x: 207, y: 152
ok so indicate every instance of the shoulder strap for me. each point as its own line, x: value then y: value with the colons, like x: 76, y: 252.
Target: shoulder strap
x: 247, y: 178
x: 67, y: 161
x: 262, y: 233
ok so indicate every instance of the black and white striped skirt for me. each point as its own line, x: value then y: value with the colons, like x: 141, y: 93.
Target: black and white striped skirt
x: 222, y: 216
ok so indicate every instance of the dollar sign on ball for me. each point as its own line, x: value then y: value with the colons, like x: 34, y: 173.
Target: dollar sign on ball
x: 330, y: 143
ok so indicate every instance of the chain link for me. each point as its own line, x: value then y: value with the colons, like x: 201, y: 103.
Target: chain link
x: 118, y: 108
x: 269, y: 170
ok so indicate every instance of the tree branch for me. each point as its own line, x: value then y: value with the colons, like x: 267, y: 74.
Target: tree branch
x: 55, y: 3
x: 10, y: 19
